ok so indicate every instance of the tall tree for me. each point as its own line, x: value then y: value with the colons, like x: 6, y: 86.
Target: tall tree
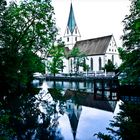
x: 130, y: 53
x: 55, y: 64
x: 79, y: 60
x: 27, y: 31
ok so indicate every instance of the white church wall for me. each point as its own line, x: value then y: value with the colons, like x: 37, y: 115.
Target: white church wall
x: 112, y: 51
x: 95, y: 63
x: 66, y: 65
x: 70, y: 40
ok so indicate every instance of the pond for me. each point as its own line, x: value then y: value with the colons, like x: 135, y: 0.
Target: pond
x: 59, y: 111
x: 77, y: 115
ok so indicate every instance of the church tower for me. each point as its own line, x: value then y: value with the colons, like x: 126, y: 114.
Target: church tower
x: 72, y: 33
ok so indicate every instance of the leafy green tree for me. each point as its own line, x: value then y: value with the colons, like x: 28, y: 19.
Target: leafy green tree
x: 55, y: 64
x: 130, y: 53
x: 78, y: 60
x: 109, y: 67
x: 27, y: 31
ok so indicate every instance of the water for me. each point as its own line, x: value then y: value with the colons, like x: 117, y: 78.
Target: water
x: 59, y: 111
x: 76, y: 114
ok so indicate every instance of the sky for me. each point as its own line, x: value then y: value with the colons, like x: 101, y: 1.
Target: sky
x: 94, y: 18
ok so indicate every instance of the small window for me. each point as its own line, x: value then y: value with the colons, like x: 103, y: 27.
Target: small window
x: 67, y: 31
x: 75, y: 30
x: 75, y: 38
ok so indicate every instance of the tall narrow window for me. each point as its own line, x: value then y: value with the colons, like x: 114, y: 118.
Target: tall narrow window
x: 91, y: 64
x: 75, y: 38
x: 84, y: 64
x: 100, y: 63
x: 113, y: 59
x: 71, y: 65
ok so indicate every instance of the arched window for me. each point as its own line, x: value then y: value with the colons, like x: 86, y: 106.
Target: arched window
x: 91, y: 64
x: 71, y: 65
x: 113, y: 59
x: 100, y: 63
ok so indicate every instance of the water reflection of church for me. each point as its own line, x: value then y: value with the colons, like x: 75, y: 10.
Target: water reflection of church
x: 77, y: 100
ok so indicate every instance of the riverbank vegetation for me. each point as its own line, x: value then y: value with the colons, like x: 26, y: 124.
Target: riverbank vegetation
x: 27, y: 32
x: 127, y: 121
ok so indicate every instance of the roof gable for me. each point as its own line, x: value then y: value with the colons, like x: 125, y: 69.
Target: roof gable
x: 94, y: 46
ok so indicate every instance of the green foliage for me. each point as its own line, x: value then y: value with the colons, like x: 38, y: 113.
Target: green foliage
x: 131, y: 37
x: 79, y: 60
x: 109, y: 67
x: 85, y: 66
x: 130, y: 53
x: 55, y: 64
x: 27, y: 31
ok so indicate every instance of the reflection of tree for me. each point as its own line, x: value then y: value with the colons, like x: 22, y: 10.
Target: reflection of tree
x: 126, y: 125
x: 21, y: 117
x: 58, y: 108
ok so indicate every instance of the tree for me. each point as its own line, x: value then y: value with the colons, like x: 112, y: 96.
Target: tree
x: 109, y: 67
x: 130, y: 53
x: 78, y: 60
x: 27, y: 31
x: 55, y: 64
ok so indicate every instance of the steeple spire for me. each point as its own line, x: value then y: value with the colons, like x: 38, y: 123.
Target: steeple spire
x: 71, y: 21
x: 72, y: 33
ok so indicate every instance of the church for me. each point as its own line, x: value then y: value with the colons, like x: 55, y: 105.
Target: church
x: 97, y: 50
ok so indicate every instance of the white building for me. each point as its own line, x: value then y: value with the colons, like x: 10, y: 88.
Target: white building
x: 97, y: 50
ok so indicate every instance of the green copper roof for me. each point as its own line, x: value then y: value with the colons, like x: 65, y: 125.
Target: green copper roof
x: 71, y: 21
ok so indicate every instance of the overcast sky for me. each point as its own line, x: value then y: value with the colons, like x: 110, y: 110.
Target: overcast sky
x: 94, y: 17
